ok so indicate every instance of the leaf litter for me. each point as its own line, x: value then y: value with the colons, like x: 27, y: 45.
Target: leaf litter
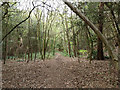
x: 59, y: 72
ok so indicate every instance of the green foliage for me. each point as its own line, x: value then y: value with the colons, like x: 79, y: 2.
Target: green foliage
x: 64, y: 53
x: 49, y: 55
x: 10, y: 57
x: 83, y: 51
x: 94, y: 54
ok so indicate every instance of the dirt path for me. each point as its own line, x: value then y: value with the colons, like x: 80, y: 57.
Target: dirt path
x: 60, y: 72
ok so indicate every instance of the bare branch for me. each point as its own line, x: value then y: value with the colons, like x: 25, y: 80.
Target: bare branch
x: 33, y: 4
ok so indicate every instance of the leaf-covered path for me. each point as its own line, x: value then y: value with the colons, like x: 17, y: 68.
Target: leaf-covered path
x: 60, y: 72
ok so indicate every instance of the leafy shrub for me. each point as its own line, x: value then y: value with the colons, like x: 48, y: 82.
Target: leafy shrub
x: 94, y: 54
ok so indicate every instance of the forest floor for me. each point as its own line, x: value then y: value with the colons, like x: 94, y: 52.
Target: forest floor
x: 59, y: 72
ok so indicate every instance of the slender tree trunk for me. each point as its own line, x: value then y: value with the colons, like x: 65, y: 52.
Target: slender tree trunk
x: 74, y: 43
x: 100, y: 55
x: 44, y: 49
x: 64, y: 35
x: 77, y: 47
x: 5, y: 49
x: 88, y: 40
x: 119, y: 66
x: 54, y: 41
x: 29, y: 44
x: 74, y: 38
x: 35, y: 56
x: 36, y: 45
x: 43, y: 45
x: 25, y: 57
x: 119, y: 48
x: 67, y: 34
x: 91, y: 44
x: 31, y: 55
x: 28, y: 57
x: 6, y: 40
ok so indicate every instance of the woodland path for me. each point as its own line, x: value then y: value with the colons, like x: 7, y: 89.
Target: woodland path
x: 59, y: 72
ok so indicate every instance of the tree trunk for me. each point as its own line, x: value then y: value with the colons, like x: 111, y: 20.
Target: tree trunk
x: 31, y: 55
x: 29, y: 43
x: 67, y: 31
x: 28, y: 57
x: 5, y: 49
x: 74, y: 37
x: 64, y: 44
x: 77, y: 47
x: 74, y: 43
x: 35, y: 56
x: 119, y: 49
x: 119, y: 66
x: 25, y: 56
x: 88, y: 41
x: 100, y: 55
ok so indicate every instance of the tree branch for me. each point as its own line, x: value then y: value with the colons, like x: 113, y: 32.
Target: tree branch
x: 18, y: 24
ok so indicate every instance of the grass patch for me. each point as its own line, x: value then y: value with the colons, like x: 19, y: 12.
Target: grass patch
x: 83, y: 51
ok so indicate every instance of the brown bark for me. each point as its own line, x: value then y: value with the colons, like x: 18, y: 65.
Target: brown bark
x: 25, y: 56
x: 100, y: 55
x: 74, y: 43
x: 35, y: 56
x: 5, y: 50
x: 119, y: 66
x: 67, y: 31
x: 88, y: 42
x: 77, y: 45
x: 74, y: 38
x: 28, y: 57
x: 119, y: 49
x: 64, y: 44
x: 29, y: 43
x: 31, y: 55
x: 6, y: 30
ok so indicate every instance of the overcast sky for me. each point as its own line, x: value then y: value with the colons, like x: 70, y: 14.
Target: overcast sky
x: 55, y: 4
x: 25, y: 4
